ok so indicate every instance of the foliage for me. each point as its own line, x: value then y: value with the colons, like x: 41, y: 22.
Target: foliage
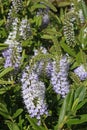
x: 43, y: 48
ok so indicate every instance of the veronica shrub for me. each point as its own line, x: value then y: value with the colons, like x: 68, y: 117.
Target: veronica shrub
x: 43, y: 65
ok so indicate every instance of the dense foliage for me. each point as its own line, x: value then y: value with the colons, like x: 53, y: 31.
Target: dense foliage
x: 43, y: 65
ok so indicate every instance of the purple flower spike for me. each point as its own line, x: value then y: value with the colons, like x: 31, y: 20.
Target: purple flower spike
x: 81, y: 72
x: 59, y: 80
x: 33, y: 92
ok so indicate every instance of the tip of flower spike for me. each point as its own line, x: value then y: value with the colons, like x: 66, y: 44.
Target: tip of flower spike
x: 81, y: 72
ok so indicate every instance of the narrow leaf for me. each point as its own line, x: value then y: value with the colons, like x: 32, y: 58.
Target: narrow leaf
x: 81, y: 119
x: 33, y: 122
x: 17, y: 113
x: 67, y: 49
x: 5, y: 71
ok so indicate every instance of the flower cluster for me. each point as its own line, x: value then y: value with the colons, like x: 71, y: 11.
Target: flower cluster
x: 79, y: 10
x: 68, y: 29
x: 45, y: 16
x: 12, y: 55
x: 33, y: 92
x: 81, y: 16
x: 17, y: 5
x: 15, y: 8
x: 59, y: 79
x: 24, y: 29
x: 81, y: 72
x: 43, y: 65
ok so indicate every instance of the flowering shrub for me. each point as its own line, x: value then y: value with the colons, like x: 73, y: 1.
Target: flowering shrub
x: 43, y: 65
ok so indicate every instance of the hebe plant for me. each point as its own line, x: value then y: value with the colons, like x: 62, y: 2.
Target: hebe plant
x: 43, y: 65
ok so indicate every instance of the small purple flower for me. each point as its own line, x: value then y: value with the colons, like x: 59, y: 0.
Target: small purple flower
x: 33, y: 92
x: 24, y: 29
x: 12, y: 55
x: 45, y: 16
x: 59, y: 79
x: 43, y: 65
x: 81, y: 72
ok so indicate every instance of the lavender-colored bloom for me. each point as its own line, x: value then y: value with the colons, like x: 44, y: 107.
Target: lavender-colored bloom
x: 12, y: 55
x: 39, y: 66
x: 81, y: 72
x: 43, y: 65
x: 45, y: 16
x: 45, y: 20
x: 81, y: 16
x: 33, y: 92
x: 24, y: 29
x: 59, y: 79
x: 16, y: 5
x: 49, y: 68
x: 15, y: 8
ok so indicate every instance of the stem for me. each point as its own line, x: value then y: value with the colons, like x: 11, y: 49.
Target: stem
x: 44, y: 125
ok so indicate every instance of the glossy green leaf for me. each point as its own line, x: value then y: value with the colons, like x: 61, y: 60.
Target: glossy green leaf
x: 17, y: 113
x: 38, y: 20
x: 33, y: 123
x: 37, y: 6
x: 70, y: 102
x: 68, y: 50
x: 63, y: 115
x: 3, y: 45
x: 50, y: 5
x: 12, y: 126
x: 79, y: 120
x: 63, y: 4
x: 4, y: 112
x: 81, y: 104
x: 5, y: 71
x: 4, y: 90
x: 74, y: 106
x: 75, y: 78
x: 80, y: 93
x: 81, y: 57
x: 46, y: 36
x: 84, y: 8
x: 6, y: 82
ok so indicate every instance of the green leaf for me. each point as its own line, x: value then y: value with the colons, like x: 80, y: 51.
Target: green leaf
x: 56, y: 46
x: 81, y: 104
x: 5, y: 71
x: 67, y: 49
x: 84, y: 8
x: 63, y: 117
x: 36, y: 6
x: 81, y: 119
x: 46, y: 36
x: 4, y: 112
x: 4, y: 90
x: 75, y: 78
x: 50, y: 5
x: 38, y: 20
x: 81, y: 57
x: 33, y: 123
x: 6, y: 82
x: 23, y: 57
x: 52, y: 32
x: 2, y: 48
x: 12, y: 125
x: 17, y: 113
x: 74, y: 106
x: 70, y: 102
x: 63, y: 4
x: 80, y: 93
x: 3, y: 45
